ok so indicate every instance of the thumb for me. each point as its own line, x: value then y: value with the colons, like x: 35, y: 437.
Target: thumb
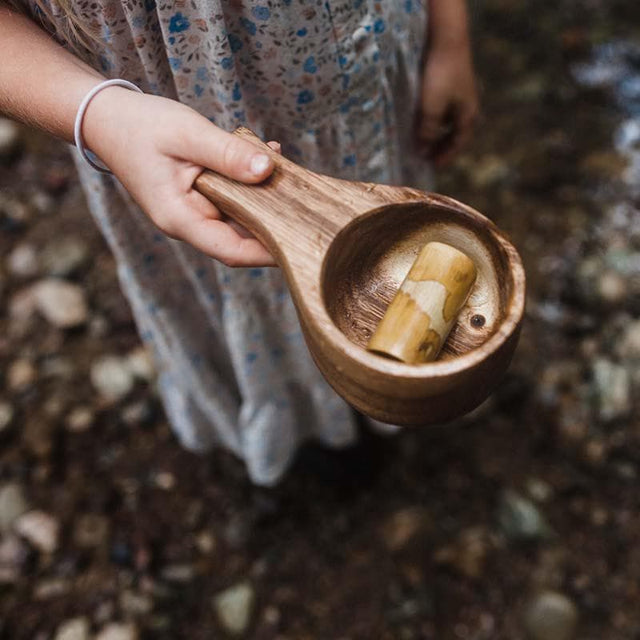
x: 229, y: 155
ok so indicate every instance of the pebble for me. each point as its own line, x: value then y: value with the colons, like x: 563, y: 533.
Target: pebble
x: 51, y: 588
x: 520, y: 519
x: 80, y: 419
x: 612, y: 288
x: 135, y: 604
x: 91, y: 530
x: 550, y: 615
x: 13, y: 504
x: 6, y: 416
x: 489, y: 170
x: 468, y: 554
x: 404, y: 525
x: 62, y: 303
x: 629, y: 345
x: 21, y: 374
x: 40, y: 529
x: 539, y: 490
x: 23, y: 261
x: 112, y: 377
x: 141, y: 363
x: 612, y: 387
x: 118, y: 631
x: 22, y: 305
x: 178, y: 573
x: 13, y: 555
x: 74, y: 629
x: 10, y: 138
x: 65, y: 256
x: 234, y: 607
x: 205, y: 542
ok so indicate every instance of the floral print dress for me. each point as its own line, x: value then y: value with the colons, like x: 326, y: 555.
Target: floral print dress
x: 337, y: 83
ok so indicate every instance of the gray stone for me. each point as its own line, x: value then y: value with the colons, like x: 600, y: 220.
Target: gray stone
x: 40, y: 529
x: 13, y: 555
x: 118, y: 631
x: 612, y: 387
x: 13, y: 504
x: 550, y: 615
x: 520, y: 519
x: 612, y: 287
x: 112, y: 377
x: 234, y: 607
x: 10, y: 138
x: 62, y: 303
x: 74, y: 629
x: 64, y: 256
x: 51, y: 588
x: 180, y: 573
x: 6, y: 416
x: 22, y: 262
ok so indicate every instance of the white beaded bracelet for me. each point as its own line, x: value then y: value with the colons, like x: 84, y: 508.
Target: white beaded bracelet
x: 77, y: 128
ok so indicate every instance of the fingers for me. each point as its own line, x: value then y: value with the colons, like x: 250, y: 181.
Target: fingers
x: 461, y: 135
x: 201, y: 226
x: 211, y: 147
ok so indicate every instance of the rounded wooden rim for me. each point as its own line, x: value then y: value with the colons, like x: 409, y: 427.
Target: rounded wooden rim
x: 445, y: 368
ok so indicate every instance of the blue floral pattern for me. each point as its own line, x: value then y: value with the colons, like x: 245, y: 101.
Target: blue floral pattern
x: 337, y: 82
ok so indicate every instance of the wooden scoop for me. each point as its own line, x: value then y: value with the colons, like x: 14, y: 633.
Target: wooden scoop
x: 345, y: 248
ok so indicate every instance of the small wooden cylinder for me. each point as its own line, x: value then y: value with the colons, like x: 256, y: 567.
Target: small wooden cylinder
x: 421, y: 315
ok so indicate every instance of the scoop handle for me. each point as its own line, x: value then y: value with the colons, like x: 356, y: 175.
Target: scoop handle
x: 294, y: 209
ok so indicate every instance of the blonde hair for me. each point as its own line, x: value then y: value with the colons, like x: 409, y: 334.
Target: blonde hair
x: 72, y: 32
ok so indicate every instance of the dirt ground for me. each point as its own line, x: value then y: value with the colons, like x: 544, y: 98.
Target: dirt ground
x: 451, y: 532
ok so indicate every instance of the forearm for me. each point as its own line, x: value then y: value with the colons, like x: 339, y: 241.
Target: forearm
x: 41, y: 83
x: 448, y: 24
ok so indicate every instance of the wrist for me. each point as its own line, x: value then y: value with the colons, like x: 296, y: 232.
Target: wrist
x: 103, y: 123
x: 448, y: 26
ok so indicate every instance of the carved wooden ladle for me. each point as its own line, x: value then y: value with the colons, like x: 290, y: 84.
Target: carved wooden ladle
x: 345, y: 248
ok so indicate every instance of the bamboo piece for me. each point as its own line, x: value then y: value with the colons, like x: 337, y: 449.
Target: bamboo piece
x: 344, y: 249
x: 421, y: 315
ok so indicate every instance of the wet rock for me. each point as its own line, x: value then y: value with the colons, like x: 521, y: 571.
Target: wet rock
x: 234, y: 607
x: 74, y: 629
x: 23, y: 261
x: 21, y: 374
x: 112, y: 377
x: 62, y: 303
x: 118, y: 631
x: 13, y: 504
x: 80, y: 419
x: 137, y: 413
x: 520, y: 519
x: 539, y: 490
x: 468, y: 554
x: 6, y: 417
x: 40, y: 529
x: 550, y: 615
x: 64, y: 256
x: 404, y: 525
x: 91, y: 530
x: 612, y: 388
x: 10, y: 139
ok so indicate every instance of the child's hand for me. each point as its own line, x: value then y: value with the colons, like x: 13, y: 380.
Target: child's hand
x: 157, y: 148
x: 449, y: 105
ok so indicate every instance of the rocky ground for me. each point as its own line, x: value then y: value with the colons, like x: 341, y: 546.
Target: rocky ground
x: 518, y: 522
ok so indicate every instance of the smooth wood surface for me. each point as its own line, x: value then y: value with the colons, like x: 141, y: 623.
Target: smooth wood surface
x: 422, y: 313
x: 345, y: 248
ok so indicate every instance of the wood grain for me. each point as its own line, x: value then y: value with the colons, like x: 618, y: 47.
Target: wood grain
x: 345, y: 248
x: 422, y: 313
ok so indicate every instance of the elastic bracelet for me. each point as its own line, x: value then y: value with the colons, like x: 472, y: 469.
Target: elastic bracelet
x: 77, y: 128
